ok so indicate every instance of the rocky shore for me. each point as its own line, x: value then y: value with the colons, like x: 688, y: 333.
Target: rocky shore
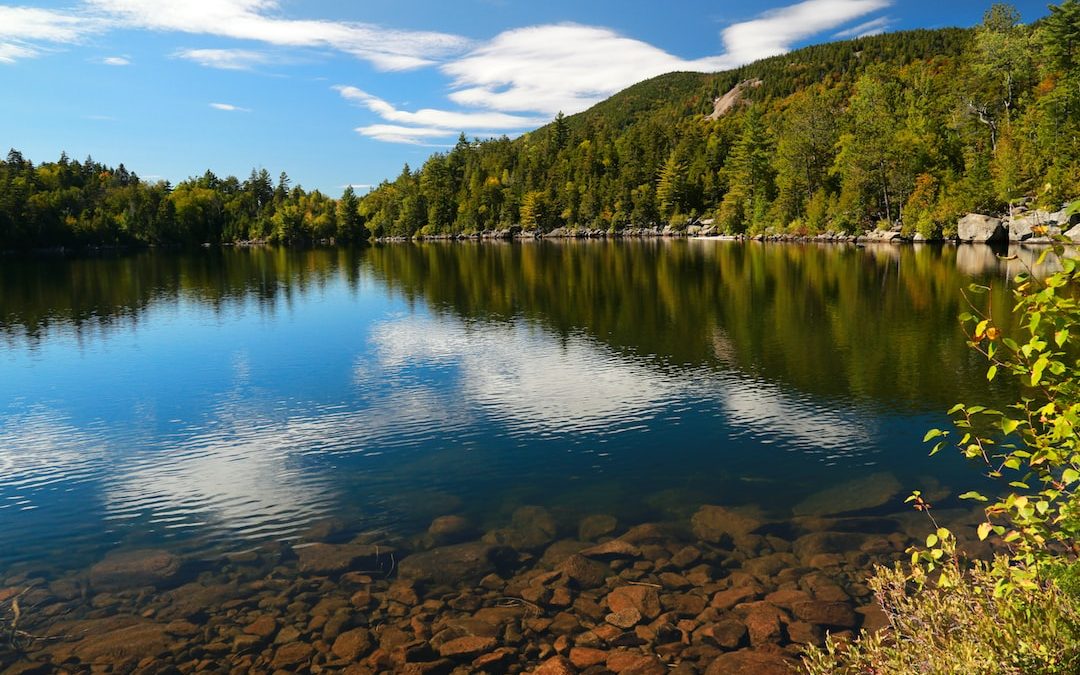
x: 729, y: 592
x: 1022, y: 227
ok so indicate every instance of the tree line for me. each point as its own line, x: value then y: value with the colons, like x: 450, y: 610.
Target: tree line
x: 72, y: 203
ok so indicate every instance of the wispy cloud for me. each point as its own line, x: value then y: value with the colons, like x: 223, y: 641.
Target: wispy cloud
x: 225, y: 59
x: 259, y: 20
x: 116, y: 61
x: 228, y: 107
x: 776, y: 31
x: 445, y: 119
x: 395, y: 133
x: 25, y: 32
x: 872, y: 27
x: 569, y: 67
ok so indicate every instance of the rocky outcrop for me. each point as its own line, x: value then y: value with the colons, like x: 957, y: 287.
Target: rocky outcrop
x: 979, y: 229
x: 736, y: 96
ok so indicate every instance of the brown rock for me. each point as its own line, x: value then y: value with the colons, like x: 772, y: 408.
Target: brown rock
x: 615, y: 548
x: 627, y: 618
x: 326, y: 559
x: 449, y: 530
x: 499, y: 658
x: 292, y: 655
x: 642, y: 598
x: 724, y: 600
x: 583, y: 657
x: 263, y: 627
x: 628, y: 662
x: 763, y: 623
x: 727, y: 633
x: 592, y: 528
x: 874, y: 618
x: 748, y: 662
x: 556, y: 665
x: 352, y: 644
x: 807, y: 546
x: 453, y: 564
x: 854, y: 495
x: 130, y: 642
x: 466, y: 646
x: 135, y: 568
x: 804, y: 633
x: 835, y: 614
x: 686, y: 556
x: 716, y: 524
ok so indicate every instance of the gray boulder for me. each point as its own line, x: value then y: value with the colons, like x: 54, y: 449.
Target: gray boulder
x: 980, y: 229
x: 1022, y: 228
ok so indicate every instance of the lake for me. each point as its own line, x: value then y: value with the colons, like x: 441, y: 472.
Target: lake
x: 213, y: 403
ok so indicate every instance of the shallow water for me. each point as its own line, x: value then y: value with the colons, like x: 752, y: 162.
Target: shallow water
x: 211, y: 401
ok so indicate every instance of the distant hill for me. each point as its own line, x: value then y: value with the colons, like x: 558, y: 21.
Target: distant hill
x: 913, y: 128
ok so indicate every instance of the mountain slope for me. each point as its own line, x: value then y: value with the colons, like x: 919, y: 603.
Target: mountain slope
x: 917, y: 127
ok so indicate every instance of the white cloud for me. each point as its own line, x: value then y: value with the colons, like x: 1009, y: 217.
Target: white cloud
x: 228, y: 107
x: 385, y: 48
x: 24, y: 29
x: 116, y: 61
x: 569, y: 67
x: 873, y: 27
x: 776, y: 31
x: 395, y: 133
x: 443, y: 119
x: 225, y: 59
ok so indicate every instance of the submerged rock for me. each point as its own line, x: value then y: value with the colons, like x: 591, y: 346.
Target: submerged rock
x: 452, y: 564
x: 592, y: 528
x: 855, y: 495
x: 749, y: 662
x: 449, y: 530
x: 339, y: 558
x: 717, y: 524
x: 135, y: 568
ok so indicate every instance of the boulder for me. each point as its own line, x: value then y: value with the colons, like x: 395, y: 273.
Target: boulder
x: 136, y: 641
x: 325, y: 559
x: 352, y: 644
x: 642, y: 598
x: 449, y: 530
x: 749, y: 662
x: 834, y: 614
x: 1022, y: 228
x: 452, y: 564
x: 980, y: 229
x: 531, y: 529
x: 716, y: 524
x: 150, y: 567
x: 594, y: 527
x: 855, y: 495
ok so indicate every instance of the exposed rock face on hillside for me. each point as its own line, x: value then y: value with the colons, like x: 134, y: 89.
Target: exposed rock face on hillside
x: 736, y: 96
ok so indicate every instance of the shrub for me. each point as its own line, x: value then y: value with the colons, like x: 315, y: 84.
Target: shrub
x: 1019, y: 613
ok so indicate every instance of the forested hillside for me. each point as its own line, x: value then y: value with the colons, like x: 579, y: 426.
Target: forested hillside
x: 916, y: 127
x: 71, y: 203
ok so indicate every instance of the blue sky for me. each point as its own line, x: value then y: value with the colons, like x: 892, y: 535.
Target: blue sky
x: 341, y: 93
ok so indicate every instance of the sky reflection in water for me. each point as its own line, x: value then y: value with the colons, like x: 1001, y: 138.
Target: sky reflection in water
x: 213, y: 402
